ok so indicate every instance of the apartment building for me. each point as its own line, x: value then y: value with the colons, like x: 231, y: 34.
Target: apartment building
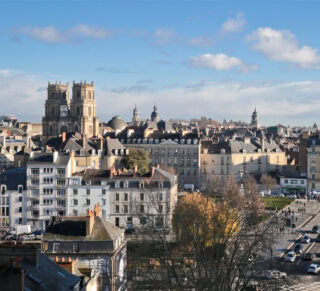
x: 126, y: 200
x: 172, y: 151
x: 239, y: 157
x: 47, y: 175
x: 13, y: 197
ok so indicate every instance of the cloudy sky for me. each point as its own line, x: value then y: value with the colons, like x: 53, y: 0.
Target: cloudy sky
x: 190, y: 58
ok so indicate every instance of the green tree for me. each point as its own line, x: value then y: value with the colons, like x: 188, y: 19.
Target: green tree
x: 139, y: 158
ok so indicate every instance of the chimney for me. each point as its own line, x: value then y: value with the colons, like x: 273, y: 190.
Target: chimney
x: 90, y: 222
x: 63, y: 137
x: 101, y: 143
x: 135, y: 170
x: 152, y: 171
x: 262, y: 143
x: 97, y: 210
x: 72, y: 161
x: 55, y: 156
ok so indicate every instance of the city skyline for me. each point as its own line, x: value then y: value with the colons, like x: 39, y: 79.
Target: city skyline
x: 190, y: 58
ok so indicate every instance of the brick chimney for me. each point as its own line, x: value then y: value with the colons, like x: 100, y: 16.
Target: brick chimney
x: 97, y: 210
x: 152, y: 171
x: 63, y: 137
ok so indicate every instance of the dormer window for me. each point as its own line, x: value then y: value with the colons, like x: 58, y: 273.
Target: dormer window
x: 223, y: 151
x: 244, y: 151
x: 20, y: 189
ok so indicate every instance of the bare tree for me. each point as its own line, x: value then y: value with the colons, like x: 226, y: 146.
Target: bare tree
x: 269, y: 183
x: 215, y: 244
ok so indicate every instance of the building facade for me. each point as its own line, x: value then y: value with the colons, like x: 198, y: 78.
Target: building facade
x: 237, y: 158
x: 182, y: 155
x: 65, y: 115
x: 128, y: 201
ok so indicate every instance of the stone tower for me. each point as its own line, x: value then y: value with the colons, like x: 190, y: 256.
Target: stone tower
x: 56, y: 109
x: 254, y: 119
x: 135, y: 117
x: 83, y: 109
x: 79, y: 115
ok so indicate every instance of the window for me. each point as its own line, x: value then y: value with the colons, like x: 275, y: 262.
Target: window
x: 117, y: 196
x: 56, y: 247
x: 75, y: 212
x: 160, y: 197
x: 286, y: 181
x: 125, y: 196
x: 75, y: 202
x: 117, y: 221
x: 88, y: 191
x: 20, y: 188
x: 20, y: 199
x: 76, y: 248
x: 141, y: 196
x: 103, y: 201
x: 61, y: 181
x: 61, y: 171
x: 117, y: 209
x: 141, y: 208
x: 35, y: 171
x: 313, y: 177
x: 75, y: 191
x: 125, y: 208
x: 143, y: 220
x: 160, y: 208
x: 103, y: 191
x: 20, y: 209
x: 301, y: 181
x: 222, y: 160
x: 3, y: 190
x: 87, y: 201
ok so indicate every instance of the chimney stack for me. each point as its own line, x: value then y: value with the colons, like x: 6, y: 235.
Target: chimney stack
x: 101, y: 143
x: 63, y: 137
x: 135, y: 170
x: 262, y: 143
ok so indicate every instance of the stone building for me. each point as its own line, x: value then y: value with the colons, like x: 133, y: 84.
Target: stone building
x: 64, y: 115
x: 254, y: 119
x: 240, y: 157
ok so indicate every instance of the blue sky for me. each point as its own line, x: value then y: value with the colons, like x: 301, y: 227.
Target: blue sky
x: 190, y: 58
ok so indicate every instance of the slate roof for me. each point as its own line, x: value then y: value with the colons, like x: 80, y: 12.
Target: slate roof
x: 74, y: 228
x: 14, y: 177
x: 47, y: 276
x: 39, y: 157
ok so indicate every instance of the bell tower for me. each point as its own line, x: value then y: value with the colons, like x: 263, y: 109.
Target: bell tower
x: 56, y: 107
x: 83, y: 109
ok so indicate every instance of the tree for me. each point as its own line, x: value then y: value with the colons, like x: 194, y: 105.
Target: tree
x: 268, y: 182
x: 137, y: 158
x: 214, y: 244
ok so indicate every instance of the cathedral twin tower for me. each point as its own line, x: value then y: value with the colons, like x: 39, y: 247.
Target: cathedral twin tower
x: 63, y: 115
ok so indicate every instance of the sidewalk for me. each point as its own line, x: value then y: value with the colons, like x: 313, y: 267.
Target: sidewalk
x: 289, y: 235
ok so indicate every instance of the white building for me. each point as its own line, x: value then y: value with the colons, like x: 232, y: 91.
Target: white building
x: 293, y: 185
x: 13, y: 195
x: 125, y: 200
x: 47, y: 175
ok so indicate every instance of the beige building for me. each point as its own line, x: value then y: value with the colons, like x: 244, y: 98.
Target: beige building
x: 65, y: 115
x: 237, y: 158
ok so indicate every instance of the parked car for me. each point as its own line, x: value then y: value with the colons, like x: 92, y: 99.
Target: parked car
x: 306, y: 239
x: 308, y: 257
x: 292, y: 196
x: 314, y: 269
x: 298, y: 249
x: 318, y: 238
x: 316, y: 229
x: 291, y: 257
x: 270, y: 274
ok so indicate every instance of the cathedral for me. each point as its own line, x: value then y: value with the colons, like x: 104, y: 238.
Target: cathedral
x: 65, y: 115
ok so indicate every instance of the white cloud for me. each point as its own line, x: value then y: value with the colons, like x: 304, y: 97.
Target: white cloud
x: 51, y: 34
x: 21, y: 94
x: 287, y: 103
x: 24, y: 95
x: 282, y: 45
x: 164, y: 36
x: 221, y: 62
x: 234, y: 24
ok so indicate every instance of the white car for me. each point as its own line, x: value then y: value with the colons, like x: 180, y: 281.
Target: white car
x: 314, y: 269
x: 291, y: 257
x: 275, y: 274
x: 306, y: 239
